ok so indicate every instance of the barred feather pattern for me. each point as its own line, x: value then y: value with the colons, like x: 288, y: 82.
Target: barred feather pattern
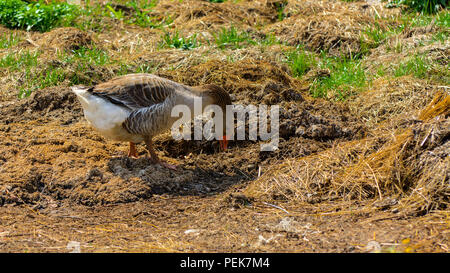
x: 150, y: 120
x: 149, y: 97
x: 140, y: 90
x: 135, y: 106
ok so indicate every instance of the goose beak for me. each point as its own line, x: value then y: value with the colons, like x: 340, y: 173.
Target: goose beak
x: 223, y: 143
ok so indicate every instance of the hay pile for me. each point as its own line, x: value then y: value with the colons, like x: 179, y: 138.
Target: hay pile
x: 407, y: 166
x: 334, y: 30
x: 245, y: 79
x: 389, y: 98
x: 401, y: 47
x: 196, y: 16
x: 64, y: 39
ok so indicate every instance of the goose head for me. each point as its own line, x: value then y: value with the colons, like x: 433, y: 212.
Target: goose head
x: 218, y: 96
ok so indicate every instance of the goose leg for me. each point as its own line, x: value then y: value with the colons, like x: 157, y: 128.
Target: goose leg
x: 132, y: 153
x: 154, y: 158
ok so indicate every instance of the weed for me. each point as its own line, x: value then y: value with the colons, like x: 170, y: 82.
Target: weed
x: 115, y: 14
x: 175, y: 41
x: 16, y: 61
x: 375, y: 34
x: 9, y: 40
x: 91, y: 55
x: 232, y: 38
x: 300, y: 62
x: 347, y: 76
x: 34, y: 81
x: 440, y: 36
x: 141, y: 16
x: 280, y: 12
x: 417, y: 66
x: 269, y: 39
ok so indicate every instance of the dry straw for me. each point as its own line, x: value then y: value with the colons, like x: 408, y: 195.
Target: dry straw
x: 409, y: 164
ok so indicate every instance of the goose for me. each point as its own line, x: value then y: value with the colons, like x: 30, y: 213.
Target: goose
x: 137, y: 107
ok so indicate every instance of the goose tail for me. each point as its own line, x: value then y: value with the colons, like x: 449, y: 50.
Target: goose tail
x: 83, y: 94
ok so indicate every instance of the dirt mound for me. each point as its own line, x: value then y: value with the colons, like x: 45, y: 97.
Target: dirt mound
x: 196, y: 16
x: 400, y: 48
x: 308, y: 8
x: 44, y: 105
x: 409, y: 166
x: 389, y: 98
x: 64, y: 39
x: 67, y: 162
x: 248, y: 80
x: 338, y: 33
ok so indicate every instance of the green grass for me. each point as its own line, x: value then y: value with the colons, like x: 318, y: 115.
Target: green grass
x: 346, y: 78
x: 373, y: 36
x: 35, y: 16
x: 46, y: 78
x: 443, y: 19
x: 421, y: 67
x: 17, y: 61
x: 300, y: 62
x: 417, y: 66
x: 141, y: 15
x: 75, y: 67
x: 174, y: 40
x: 269, y: 39
x: 8, y: 40
x: 441, y: 36
x: 92, y: 15
x: 232, y: 38
x: 92, y: 56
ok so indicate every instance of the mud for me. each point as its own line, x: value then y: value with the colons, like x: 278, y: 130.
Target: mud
x: 50, y: 152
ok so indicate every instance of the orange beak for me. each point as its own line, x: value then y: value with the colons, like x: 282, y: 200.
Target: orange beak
x: 223, y: 143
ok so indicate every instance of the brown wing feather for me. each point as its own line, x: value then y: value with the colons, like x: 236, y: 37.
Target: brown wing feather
x: 136, y: 90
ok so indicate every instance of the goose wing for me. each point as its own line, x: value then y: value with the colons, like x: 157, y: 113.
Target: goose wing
x: 148, y: 96
x: 136, y: 91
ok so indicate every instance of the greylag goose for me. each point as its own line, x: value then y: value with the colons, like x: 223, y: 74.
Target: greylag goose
x: 136, y: 107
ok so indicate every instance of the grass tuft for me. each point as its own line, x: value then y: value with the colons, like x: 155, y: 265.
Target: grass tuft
x: 8, y: 40
x: 176, y: 41
x: 232, y: 38
x: 300, y: 62
x: 346, y: 78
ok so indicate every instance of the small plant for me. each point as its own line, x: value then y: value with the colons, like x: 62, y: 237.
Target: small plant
x: 232, y: 38
x: 17, y: 61
x: 300, y: 62
x: 346, y: 77
x: 269, y: 39
x: 141, y: 16
x: 175, y: 41
x: 375, y: 34
x: 280, y: 12
x: 115, y: 14
x: 9, y: 40
x: 417, y: 66
x: 33, y: 81
x: 91, y: 55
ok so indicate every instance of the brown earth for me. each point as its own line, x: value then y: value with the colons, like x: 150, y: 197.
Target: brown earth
x: 366, y: 175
